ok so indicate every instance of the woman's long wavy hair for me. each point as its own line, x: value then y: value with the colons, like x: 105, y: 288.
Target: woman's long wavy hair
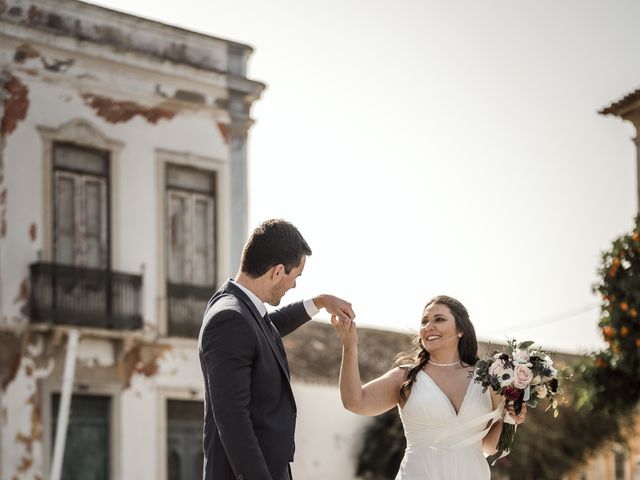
x: 418, y: 356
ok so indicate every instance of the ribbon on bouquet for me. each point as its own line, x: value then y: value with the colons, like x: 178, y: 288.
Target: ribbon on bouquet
x: 506, y: 418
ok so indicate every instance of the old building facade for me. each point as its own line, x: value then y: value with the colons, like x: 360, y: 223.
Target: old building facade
x: 123, y: 203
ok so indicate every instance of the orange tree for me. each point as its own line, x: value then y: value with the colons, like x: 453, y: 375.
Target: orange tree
x: 610, y: 381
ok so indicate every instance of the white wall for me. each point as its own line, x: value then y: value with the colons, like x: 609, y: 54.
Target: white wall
x: 328, y: 437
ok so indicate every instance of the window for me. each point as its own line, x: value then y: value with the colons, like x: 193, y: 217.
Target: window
x: 191, y: 203
x: 620, y: 459
x: 87, y: 447
x: 81, y: 199
x: 191, y: 240
x: 184, y: 439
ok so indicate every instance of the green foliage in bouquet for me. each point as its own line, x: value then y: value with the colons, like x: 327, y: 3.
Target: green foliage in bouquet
x: 547, y: 448
x: 521, y: 374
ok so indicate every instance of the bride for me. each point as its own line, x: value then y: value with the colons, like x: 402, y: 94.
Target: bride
x: 447, y: 420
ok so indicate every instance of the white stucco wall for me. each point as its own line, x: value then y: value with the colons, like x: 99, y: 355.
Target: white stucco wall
x: 328, y: 437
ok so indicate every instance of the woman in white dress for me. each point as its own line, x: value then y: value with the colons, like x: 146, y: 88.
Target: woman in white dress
x: 449, y: 423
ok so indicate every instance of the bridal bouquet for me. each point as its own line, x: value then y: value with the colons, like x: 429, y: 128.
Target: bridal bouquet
x: 522, y: 375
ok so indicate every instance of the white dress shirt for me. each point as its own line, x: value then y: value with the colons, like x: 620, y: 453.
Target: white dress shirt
x: 309, y: 306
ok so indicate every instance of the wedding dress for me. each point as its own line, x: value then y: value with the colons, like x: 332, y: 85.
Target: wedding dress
x: 443, y: 444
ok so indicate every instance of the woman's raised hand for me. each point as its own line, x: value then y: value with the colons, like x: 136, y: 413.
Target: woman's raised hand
x: 346, y: 331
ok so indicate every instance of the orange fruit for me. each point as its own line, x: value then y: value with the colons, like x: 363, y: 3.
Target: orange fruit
x: 608, y: 332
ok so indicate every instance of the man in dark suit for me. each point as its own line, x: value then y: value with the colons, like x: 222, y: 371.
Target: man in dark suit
x: 250, y: 412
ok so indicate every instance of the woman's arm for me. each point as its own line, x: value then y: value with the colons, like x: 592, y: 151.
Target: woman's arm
x: 490, y: 441
x: 375, y: 397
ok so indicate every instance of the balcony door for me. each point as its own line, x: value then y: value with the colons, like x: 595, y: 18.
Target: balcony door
x: 81, y: 252
x: 191, y: 240
x: 81, y: 199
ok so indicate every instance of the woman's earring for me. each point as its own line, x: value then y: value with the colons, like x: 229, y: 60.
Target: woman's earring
x: 460, y: 335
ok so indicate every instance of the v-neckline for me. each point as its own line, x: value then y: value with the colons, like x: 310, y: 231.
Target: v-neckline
x: 453, y: 408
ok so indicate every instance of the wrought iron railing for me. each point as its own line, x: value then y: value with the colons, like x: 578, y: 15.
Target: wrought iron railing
x: 185, y: 306
x: 87, y: 297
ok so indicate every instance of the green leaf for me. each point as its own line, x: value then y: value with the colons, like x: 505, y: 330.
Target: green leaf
x: 526, y: 344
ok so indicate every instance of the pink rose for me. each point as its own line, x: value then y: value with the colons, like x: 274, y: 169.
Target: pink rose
x: 495, y: 367
x: 522, y: 376
x: 541, y: 391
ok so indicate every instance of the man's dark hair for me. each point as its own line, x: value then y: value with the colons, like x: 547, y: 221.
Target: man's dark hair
x: 272, y: 243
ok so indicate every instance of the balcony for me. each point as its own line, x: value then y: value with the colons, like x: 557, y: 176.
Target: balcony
x: 85, y: 297
x: 186, y: 304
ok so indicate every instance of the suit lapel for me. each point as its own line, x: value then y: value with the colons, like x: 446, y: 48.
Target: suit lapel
x: 229, y: 287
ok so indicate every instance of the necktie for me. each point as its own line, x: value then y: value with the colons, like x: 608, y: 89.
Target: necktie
x: 276, y: 338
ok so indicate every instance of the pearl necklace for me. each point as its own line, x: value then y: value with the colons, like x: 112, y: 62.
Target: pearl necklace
x: 443, y: 364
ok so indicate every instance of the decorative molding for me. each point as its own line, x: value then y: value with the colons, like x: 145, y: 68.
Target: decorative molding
x: 80, y: 132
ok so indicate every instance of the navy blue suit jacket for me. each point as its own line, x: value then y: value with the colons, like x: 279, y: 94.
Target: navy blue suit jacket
x: 250, y: 412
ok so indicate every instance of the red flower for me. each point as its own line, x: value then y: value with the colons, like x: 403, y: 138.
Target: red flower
x: 512, y: 393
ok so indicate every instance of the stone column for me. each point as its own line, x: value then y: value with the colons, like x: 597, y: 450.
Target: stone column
x: 239, y: 183
x: 242, y: 93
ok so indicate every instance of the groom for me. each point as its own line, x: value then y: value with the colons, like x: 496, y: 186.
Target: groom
x: 250, y: 412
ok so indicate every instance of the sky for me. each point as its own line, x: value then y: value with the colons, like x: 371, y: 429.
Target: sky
x: 441, y: 147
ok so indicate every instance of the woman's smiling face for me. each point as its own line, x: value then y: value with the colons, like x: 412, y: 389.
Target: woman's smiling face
x: 438, y: 328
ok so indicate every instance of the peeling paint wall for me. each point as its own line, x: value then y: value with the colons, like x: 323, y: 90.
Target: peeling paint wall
x: 133, y: 372
x: 176, y: 369
x: 93, y: 352
x: 21, y: 440
x: 148, y: 93
x: 142, y: 131
x: 114, y: 111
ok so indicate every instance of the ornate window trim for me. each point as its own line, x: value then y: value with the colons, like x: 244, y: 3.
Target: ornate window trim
x: 82, y: 133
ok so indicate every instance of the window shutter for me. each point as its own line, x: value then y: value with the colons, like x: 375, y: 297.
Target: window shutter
x: 179, y: 248
x: 65, y: 219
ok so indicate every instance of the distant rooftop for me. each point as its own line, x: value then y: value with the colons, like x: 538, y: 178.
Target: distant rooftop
x: 314, y: 352
x: 629, y: 102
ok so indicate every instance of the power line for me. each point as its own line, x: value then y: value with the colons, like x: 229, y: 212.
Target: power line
x: 553, y: 319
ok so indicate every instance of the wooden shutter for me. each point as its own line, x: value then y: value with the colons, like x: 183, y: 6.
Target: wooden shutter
x: 65, y: 222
